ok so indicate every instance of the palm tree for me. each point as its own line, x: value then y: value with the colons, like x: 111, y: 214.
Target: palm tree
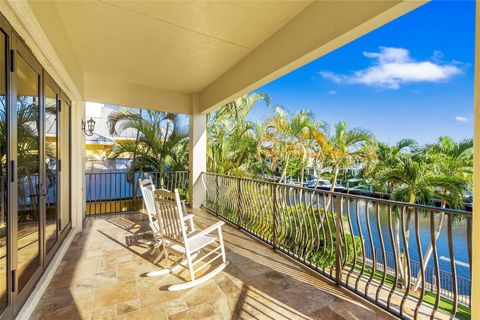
x: 412, y: 181
x: 161, y: 140
x: 386, y: 172
x: 319, y: 146
x: 453, y: 166
x: 346, y: 147
x: 386, y: 157
x: 441, y: 171
x: 178, y: 159
x: 284, y: 137
x: 232, y: 138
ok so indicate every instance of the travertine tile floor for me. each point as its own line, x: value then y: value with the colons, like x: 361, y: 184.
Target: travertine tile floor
x: 102, y: 277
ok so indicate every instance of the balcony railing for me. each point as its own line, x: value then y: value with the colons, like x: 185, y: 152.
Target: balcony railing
x: 376, y: 248
x: 111, y: 192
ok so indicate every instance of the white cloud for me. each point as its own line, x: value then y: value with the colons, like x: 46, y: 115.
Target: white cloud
x: 332, y: 92
x: 332, y: 76
x: 392, y: 67
x: 461, y: 119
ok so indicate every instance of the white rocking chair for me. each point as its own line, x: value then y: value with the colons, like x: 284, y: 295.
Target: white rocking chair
x: 177, y: 239
x: 147, y: 188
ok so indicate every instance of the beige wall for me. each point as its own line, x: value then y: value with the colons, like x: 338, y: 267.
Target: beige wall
x: 109, y: 91
x: 197, y: 154
x: 78, y: 164
x: 20, y: 15
x: 54, y: 28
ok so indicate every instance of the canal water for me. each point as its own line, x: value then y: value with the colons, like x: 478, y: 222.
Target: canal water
x: 459, y: 236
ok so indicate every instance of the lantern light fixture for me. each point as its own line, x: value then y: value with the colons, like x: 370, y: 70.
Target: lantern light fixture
x: 88, y: 127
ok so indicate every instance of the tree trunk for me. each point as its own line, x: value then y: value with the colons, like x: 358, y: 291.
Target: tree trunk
x: 429, y: 251
x: 284, y: 173
x: 397, y: 250
x: 302, y: 174
x: 318, y: 169
x: 334, y: 184
x: 334, y: 178
x: 404, y: 265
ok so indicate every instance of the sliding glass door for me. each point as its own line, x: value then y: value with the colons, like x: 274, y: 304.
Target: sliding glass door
x: 34, y: 170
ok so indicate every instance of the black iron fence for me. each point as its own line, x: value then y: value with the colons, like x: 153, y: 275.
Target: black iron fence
x: 111, y: 192
x: 411, y: 260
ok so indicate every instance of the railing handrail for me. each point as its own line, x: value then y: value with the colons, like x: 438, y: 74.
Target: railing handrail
x: 463, y: 213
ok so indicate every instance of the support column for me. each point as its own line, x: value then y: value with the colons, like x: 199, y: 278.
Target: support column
x: 78, y: 164
x: 475, y: 286
x: 197, y: 154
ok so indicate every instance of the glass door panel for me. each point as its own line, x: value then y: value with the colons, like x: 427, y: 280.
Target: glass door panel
x: 3, y: 176
x: 51, y: 178
x: 28, y: 172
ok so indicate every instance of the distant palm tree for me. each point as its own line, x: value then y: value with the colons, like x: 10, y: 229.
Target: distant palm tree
x: 178, y: 159
x: 386, y: 157
x: 161, y: 143
x: 284, y: 137
x: 411, y: 176
x: 232, y: 138
x: 346, y: 147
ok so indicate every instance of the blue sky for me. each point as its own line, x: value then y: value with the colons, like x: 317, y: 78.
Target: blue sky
x: 412, y: 78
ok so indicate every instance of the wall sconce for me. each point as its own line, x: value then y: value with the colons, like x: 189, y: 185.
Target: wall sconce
x: 88, y: 127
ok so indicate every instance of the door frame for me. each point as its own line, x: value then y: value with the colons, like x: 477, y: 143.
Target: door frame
x: 48, y: 80
x: 66, y: 106
x: 7, y: 30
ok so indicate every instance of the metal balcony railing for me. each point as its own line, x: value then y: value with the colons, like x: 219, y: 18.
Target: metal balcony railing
x: 112, y: 192
x: 376, y: 248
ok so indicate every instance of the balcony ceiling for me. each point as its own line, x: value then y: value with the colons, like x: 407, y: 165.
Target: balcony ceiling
x: 181, y: 46
x: 157, y: 53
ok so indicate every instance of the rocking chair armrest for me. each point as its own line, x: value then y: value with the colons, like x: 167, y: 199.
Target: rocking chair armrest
x: 189, y: 220
x: 188, y: 217
x: 184, y: 205
x: 206, y: 231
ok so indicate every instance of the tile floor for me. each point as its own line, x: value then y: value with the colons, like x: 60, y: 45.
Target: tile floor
x: 102, y: 277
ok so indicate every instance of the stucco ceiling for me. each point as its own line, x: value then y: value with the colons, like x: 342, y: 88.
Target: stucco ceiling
x: 181, y: 46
